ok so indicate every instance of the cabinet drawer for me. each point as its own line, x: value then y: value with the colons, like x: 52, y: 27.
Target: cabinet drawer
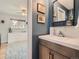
x: 58, y: 56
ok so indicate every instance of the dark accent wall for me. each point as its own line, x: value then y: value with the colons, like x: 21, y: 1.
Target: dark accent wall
x: 38, y: 29
x: 76, y: 11
x: 50, y: 12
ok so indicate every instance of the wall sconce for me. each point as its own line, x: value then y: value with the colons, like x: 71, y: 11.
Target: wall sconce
x: 24, y: 12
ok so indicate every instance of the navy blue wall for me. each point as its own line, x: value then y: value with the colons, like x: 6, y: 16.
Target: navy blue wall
x: 38, y: 29
x: 76, y: 11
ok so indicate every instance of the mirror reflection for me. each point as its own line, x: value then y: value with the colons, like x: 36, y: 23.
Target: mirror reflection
x: 63, y: 11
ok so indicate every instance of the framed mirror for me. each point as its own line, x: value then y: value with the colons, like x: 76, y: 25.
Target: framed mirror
x: 63, y: 12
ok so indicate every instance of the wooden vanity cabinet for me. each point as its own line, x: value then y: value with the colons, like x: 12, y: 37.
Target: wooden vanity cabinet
x: 48, y: 50
x: 46, y: 53
x: 43, y: 52
x: 57, y: 55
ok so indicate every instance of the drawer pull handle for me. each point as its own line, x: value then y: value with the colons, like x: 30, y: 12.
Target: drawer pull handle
x: 51, y: 56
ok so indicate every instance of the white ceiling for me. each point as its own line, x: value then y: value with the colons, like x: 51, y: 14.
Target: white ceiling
x: 69, y: 4
x: 12, y: 6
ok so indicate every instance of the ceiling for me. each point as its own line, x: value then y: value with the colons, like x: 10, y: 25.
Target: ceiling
x: 12, y: 6
x: 69, y: 4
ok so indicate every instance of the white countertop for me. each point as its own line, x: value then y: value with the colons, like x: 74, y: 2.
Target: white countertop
x: 68, y: 42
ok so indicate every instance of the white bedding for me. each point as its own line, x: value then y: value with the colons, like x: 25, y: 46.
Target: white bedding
x: 16, y: 36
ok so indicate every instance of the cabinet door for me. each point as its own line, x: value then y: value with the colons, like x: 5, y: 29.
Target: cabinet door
x: 43, y: 52
x: 58, y: 55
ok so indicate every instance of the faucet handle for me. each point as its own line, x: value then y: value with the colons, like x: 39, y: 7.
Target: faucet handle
x: 61, y: 34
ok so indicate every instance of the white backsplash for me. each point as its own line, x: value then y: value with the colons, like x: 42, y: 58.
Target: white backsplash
x: 68, y: 31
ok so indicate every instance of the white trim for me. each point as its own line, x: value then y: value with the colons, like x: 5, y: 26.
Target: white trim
x: 29, y: 18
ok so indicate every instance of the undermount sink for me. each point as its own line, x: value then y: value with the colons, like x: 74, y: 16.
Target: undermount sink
x: 65, y: 41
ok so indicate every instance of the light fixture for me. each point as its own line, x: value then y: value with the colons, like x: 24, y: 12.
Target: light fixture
x: 23, y: 10
x: 24, y: 13
x: 14, y: 22
x: 77, y: 26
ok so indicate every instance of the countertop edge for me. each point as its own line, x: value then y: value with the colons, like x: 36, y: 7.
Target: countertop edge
x: 73, y: 46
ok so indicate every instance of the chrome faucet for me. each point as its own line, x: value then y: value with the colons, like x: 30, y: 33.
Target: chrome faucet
x: 61, y: 34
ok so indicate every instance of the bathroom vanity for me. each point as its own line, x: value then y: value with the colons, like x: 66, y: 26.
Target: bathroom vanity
x: 53, y: 47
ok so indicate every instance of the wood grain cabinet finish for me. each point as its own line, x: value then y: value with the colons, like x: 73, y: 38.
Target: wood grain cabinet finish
x: 58, y: 55
x: 48, y: 50
x: 43, y: 52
